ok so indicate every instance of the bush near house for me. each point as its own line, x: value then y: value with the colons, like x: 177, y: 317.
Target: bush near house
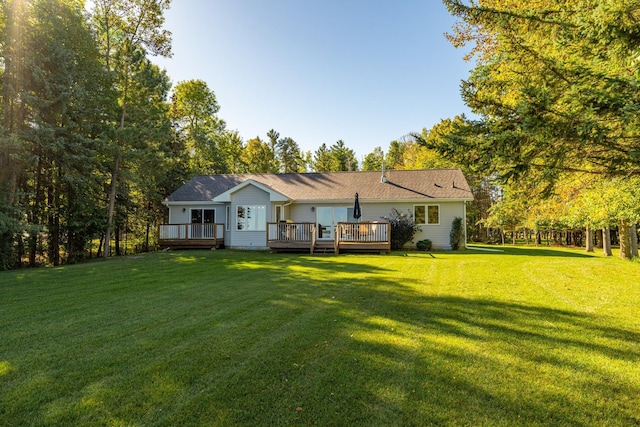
x: 424, y: 245
x: 403, y: 228
x: 457, y: 234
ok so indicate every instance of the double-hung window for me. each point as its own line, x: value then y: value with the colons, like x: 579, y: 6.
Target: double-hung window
x: 426, y: 214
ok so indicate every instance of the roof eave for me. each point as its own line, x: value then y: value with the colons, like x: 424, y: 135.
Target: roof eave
x: 412, y: 200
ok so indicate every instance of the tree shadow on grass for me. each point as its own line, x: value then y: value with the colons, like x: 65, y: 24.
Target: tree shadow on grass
x: 361, y: 348
x: 532, y: 251
x: 418, y: 359
x: 256, y: 339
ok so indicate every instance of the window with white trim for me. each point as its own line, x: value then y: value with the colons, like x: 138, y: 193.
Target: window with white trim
x: 251, y: 218
x: 426, y: 214
x: 227, y: 222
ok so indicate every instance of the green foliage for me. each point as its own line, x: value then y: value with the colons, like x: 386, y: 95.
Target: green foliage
x: 258, y: 157
x: 403, y: 228
x: 289, y: 156
x: 322, y: 161
x: 373, y: 160
x: 456, y: 236
x: 9, y: 231
x: 193, y: 112
x: 555, y: 88
x: 343, y: 158
x: 336, y: 158
x: 424, y: 245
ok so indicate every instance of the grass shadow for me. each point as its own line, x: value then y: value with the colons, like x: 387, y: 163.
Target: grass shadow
x: 238, y: 338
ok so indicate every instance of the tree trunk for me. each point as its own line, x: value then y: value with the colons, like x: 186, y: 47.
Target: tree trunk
x: 589, y: 239
x: 36, y: 212
x: 606, y: 241
x: 112, y: 204
x: 53, y: 225
x: 118, y: 234
x: 624, y: 230
x: 634, y: 241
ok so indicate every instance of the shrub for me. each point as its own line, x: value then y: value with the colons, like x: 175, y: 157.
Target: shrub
x: 403, y: 228
x: 424, y: 245
x: 456, y: 237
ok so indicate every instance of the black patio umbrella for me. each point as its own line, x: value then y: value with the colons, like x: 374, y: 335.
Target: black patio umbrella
x: 357, y: 212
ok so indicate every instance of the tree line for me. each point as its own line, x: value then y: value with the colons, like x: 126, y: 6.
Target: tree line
x: 555, y: 97
x: 94, y: 136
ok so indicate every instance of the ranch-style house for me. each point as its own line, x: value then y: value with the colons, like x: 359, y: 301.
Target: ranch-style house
x: 312, y: 211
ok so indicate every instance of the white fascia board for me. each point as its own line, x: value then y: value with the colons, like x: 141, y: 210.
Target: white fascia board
x: 189, y: 202
x: 390, y: 201
x: 274, y: 196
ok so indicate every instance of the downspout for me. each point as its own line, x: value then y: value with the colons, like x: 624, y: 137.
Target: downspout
x: 464, y: 210
x: 285, y: 205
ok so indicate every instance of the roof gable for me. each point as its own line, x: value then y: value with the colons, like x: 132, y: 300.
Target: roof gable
x: 273, y: 195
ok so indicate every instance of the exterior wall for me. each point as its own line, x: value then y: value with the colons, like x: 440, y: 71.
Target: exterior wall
x: 438, y: 234
x: 248, y: 195
x: 302, y: 212
x: 177, y: 216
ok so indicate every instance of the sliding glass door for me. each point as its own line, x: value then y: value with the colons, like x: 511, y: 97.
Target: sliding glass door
x: 326, y: 220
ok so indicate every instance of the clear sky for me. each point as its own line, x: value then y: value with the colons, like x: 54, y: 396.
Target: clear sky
x: 364, y: 71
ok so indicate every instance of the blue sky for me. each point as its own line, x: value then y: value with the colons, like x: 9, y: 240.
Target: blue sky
x: 366, y: 72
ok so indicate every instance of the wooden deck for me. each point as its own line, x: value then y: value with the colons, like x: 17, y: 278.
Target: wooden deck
x: 363, y: 237
x: 191, y: 236
x: 349, y: 237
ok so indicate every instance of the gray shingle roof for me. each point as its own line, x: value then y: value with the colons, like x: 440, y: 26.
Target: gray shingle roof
x: 400, y: 185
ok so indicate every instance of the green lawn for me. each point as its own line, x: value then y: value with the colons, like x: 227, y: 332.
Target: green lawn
x: 525, y: 337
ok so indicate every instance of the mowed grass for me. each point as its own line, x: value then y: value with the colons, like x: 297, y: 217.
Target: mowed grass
x: 525, y: 337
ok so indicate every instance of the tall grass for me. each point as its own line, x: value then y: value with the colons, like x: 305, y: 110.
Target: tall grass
x: 524, y: 337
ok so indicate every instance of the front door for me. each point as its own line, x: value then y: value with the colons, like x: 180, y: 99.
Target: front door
x: 200, y: 217
x: 326, y: 220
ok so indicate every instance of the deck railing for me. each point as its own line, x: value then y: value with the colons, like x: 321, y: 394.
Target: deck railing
x: 365, y: 232
x: 294, y: 232
x: 210, y: 231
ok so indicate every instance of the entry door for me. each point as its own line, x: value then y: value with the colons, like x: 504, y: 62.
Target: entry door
x: 326, y: 220
x: 200, y: 217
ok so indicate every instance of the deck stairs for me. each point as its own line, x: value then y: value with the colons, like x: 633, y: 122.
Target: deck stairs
x: 323, y: 248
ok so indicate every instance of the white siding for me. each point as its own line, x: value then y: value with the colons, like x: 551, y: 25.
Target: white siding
x: 302, y: 212
x: 438, y: 234
x: 181, y: 214
x: 248, y: 195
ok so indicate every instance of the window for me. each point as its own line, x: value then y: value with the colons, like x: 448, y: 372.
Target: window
x: 426, y: 214
x: 227, y: 222
x: 251, y: 218
x: 419, y: 214
x: 350, y: 217
x: 433, y: 214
